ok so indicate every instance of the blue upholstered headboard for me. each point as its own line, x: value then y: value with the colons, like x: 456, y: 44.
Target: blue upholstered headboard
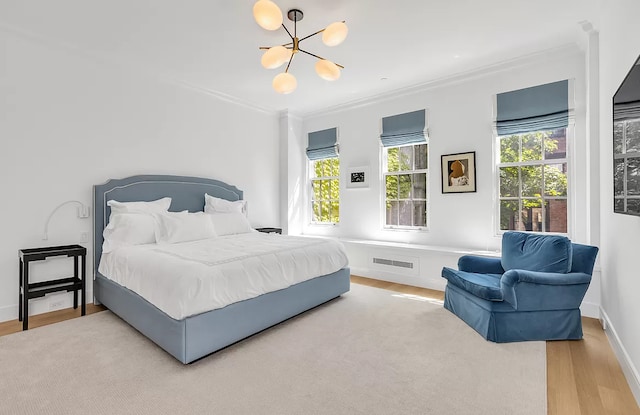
x: 186, y: 193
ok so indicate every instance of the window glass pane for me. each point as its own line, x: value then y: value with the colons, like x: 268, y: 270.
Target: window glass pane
x: 531, y: 177
x: 325, y: 211
x: 633, y: 136
x: 556, y: 215
x: 392, y: 213
x: 392, y: 159
x: 316, y: 190
x: 404, y: 181
x: 633, y: 206
x: 633, y: 176
x: 420, y: 186
x: 316, y: 211
x: 405, y: 158
x: 392, y: 186
x: 618, y: 177
x: 324, y: 189
x: 555, y: 179
x: 509, y: 149
x: 555, y: 144
x: 335, y: 211
x: 532, y: 146
x: 406, y: 213
x: 618, y: 205
x: 532, y: 215
x: 421, y: 156
x: 335, y: 167
x: 509, y: 182
x: 509, y: 217
x: 326, y: 170
x: 419, y: 213
x: 334, y: 193
x: 618, y: 128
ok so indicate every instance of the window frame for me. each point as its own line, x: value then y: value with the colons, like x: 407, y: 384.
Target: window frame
x: 568, y: 159
x: 311, y: 180
x: 383, y: 189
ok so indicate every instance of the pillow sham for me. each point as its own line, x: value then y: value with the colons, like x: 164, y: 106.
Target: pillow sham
x: 126, y: 229
x: 230, y: 223
x: 155, y: 206
x: 216, y: 205
x: 174, y: 227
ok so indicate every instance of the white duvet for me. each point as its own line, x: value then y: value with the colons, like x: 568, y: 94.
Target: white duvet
x: 189, y: 278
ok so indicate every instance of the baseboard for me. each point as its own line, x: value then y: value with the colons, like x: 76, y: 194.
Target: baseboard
x: 430, y: 283
x: 590, y: 310
x: 629, y: 370
x: 52, y: 302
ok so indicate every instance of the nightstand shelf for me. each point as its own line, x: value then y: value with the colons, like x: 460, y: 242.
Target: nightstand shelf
x: 269, y: 230
x: 75, y: 283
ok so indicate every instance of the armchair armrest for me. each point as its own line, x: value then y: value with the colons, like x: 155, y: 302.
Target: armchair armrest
x: 532, y: 290
x: 514, y: 276
x: 480, y: 264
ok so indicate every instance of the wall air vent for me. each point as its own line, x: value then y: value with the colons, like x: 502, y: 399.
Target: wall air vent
x: 393, y: 263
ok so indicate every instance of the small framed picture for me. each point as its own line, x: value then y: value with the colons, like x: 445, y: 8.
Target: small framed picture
x: 358, y: 177
x: 459, y: 172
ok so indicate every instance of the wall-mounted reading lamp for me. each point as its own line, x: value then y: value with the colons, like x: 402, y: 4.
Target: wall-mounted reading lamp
x: 83, y: 212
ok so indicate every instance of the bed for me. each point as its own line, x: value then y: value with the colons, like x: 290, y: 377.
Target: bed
x: 195, y: 336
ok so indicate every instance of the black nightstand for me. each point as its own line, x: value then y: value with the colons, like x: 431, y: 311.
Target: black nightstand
x: 39, y: 289
x: 270, y: 230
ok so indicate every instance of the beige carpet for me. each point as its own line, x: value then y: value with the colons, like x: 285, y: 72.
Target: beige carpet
x: 370, y: 352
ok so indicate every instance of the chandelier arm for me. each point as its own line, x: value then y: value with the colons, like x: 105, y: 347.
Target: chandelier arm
x: 289, y: 64
x: 313, y: 34
x: 319, y: 57
x: 287, y: 30
x: 269, y: 47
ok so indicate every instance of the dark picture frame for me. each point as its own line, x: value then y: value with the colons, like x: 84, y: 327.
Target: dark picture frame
x: 459, y: 172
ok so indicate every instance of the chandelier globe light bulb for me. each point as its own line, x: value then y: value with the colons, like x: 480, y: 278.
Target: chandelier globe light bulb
x: 327, y: 70
x: 267, y: 14
x: 335, y: 34
x: 275, y: 57
x: 284, y: 83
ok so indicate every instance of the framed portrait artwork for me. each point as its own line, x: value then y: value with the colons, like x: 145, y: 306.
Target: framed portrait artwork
x: 459, y: 172
x: 358, y: 177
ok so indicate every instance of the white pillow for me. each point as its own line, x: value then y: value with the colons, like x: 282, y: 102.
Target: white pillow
x: 230, y: 223
x: 174, y: 227
x: 156, y: 206
x: 126, y: 229
x: 217, y: 205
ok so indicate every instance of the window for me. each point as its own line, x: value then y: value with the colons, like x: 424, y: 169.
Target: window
x: 325, y: 186
x: 405, y: 180
x: 626, y: 166
x: 532, y: 181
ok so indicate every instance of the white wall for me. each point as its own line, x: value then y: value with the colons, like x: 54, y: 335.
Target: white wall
x: 619, y: 48
x: 460, y: 118
x: 68, y: 122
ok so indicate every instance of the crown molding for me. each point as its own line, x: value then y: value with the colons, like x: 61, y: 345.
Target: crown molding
x: 460, y: 77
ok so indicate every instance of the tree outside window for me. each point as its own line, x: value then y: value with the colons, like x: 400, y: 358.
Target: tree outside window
x: 405, y: 182
x: 325, y: 190
x: 532, y: 181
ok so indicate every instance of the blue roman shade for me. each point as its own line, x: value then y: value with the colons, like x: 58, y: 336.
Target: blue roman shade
x: 543, y: 107
x: 626, y: 111
x: 323, y: 144
x: 408, y: 128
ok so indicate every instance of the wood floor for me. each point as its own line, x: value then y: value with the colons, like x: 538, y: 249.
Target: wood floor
x: 583, y: 377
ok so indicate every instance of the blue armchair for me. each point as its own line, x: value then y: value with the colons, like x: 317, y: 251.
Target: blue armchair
x: 532, y: 293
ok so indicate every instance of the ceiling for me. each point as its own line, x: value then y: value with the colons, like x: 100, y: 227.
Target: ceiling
x: 212, y: 45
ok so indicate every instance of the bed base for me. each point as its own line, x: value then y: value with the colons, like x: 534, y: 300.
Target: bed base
x: 197, y: 336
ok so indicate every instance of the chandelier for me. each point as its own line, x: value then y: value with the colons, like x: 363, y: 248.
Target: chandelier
x: 268, y: 15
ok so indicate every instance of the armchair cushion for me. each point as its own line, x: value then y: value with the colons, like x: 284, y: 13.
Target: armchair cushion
x: 485, y: 286
x: 542, y: 253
